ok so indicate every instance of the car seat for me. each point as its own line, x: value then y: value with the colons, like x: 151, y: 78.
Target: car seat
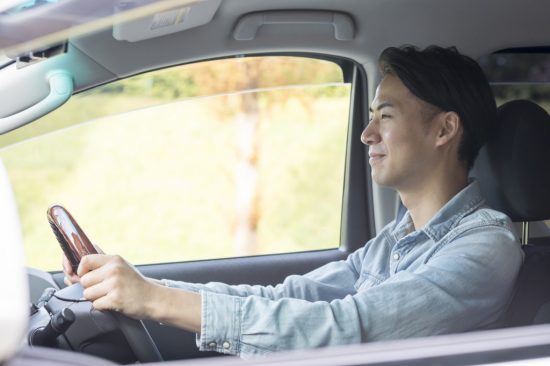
x: 14, y: 304
x: 514, y: 175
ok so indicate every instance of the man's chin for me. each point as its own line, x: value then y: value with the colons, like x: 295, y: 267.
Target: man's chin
x: 377, y: 179
x: 381, y: 180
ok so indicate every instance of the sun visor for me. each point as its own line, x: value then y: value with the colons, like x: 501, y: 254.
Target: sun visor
x: 14, y: 307
x: 165, y: 22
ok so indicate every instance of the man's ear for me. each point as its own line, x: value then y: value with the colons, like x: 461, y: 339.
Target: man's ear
x: 449, y: 127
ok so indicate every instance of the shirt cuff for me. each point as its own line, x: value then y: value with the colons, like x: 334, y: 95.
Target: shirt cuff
x: 182, y: 285
x: 220, y: 323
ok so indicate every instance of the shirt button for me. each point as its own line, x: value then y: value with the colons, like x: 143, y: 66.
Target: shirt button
x: 396, y: 256
x: 212, y: 344
x: 226, y: 345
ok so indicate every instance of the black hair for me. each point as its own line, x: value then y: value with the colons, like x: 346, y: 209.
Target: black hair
x: 449, y: 81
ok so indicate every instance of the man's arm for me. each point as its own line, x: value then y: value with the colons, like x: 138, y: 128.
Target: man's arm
x: 112, y: 284
x: 331, y: 281
x: 465, y: 286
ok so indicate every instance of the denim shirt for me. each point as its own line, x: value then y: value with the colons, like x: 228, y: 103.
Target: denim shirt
x: 455, y: 274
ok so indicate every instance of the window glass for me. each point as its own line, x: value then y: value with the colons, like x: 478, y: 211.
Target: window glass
x: 520, y: 74
x: 217, y: 159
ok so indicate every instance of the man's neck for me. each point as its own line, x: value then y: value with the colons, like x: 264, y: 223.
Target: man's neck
x: 426, y: 200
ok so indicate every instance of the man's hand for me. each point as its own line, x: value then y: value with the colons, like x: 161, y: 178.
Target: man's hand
x: 113, y: 284
x: 71, y: 277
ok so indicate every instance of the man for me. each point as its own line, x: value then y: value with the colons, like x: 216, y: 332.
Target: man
x: 448, y: 265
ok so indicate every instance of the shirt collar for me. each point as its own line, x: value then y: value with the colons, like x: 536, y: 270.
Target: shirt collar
x: 462, y: 204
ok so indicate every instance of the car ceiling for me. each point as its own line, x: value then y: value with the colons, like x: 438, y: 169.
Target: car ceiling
x: 475, y: 27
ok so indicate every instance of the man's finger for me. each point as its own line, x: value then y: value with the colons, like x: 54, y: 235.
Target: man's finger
x: 90, y: 262
x: 104, y: 303
x: 94, y: 277
x: 71, y: 279
x: 67, y: 268
x: 97, y: 291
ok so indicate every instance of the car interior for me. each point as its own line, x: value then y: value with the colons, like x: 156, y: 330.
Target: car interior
x: 61, y: 58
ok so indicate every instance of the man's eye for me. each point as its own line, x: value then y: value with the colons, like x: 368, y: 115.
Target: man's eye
x: 385, y: 116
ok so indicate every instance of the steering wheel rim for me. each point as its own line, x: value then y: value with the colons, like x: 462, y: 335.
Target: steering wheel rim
x: 138, y: 338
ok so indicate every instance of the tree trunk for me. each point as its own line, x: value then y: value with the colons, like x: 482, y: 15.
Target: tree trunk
x: 246, y: 171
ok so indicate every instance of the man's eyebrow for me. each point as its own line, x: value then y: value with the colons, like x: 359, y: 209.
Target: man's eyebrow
x: 382, y: 105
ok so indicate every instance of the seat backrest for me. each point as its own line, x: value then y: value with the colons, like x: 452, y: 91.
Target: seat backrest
x: 513, y: 170
x: 531, y: 301
x: 14, y: 304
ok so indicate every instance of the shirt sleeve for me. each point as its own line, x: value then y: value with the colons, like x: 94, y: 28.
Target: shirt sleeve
x: 331, y: 281
x: 466, y: 285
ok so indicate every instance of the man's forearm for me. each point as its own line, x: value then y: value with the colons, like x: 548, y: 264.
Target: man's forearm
x: 175, y: 307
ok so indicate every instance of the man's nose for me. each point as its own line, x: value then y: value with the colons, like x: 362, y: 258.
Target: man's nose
x: 369, y: 135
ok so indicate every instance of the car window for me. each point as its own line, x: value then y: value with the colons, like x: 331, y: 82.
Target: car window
x: 520, y: 74
x: 223, y: 158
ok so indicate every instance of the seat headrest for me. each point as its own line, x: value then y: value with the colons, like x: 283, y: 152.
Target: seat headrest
x: 513, y: 168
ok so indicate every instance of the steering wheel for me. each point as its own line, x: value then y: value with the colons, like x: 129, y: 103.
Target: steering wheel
x: 98, y: 332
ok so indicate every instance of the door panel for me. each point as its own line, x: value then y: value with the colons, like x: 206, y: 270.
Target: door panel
x: 175, y: 343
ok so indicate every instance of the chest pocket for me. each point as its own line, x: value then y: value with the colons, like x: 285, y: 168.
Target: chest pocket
x: 367, y: 280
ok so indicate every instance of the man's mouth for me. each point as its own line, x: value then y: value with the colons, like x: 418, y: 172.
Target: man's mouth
x: 375, y: 158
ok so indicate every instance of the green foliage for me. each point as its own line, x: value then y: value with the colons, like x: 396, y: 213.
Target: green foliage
x: 168, y: 85
x: 226, y: 76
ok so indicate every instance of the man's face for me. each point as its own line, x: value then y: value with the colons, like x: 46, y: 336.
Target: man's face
x: 400, y: 136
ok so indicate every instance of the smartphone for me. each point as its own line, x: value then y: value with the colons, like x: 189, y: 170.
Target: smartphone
x: 73, y: 240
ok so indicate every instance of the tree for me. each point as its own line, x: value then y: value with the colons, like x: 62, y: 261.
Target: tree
x: 239, y: 79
